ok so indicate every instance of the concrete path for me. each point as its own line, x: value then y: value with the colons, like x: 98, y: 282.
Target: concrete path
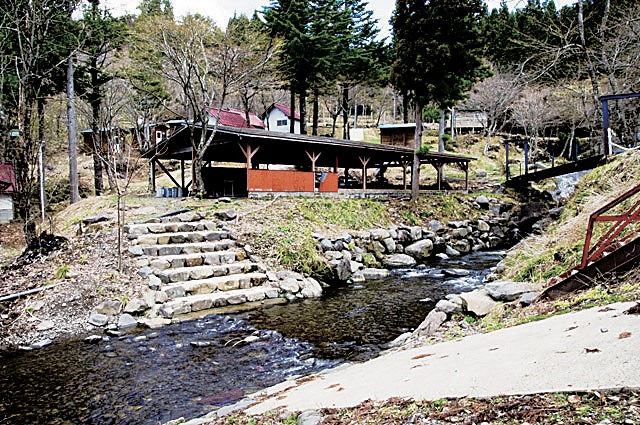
x: 587, y: 350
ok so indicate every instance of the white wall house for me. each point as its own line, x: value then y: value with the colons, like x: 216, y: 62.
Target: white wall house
x: 7, y: 189
x: 278, y: 118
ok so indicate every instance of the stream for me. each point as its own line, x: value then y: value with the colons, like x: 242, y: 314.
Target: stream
x: 190, y: 368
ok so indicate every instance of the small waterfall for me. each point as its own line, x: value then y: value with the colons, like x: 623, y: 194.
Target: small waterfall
x: 566, y: 184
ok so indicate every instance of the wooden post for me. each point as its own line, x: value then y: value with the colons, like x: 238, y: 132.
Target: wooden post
x: 465, y: 167
x: 506, y: 158
x: 248, y: 154
x: 182, y: 175
x: 405, y: 165
x: 153, y: 175
x: 364, y: 161
x: 313, y: 157
x: 605, y: 127
x: 438, y: 167
x: 526, y: 156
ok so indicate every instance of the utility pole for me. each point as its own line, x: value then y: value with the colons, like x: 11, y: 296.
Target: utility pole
x: 74, y: 195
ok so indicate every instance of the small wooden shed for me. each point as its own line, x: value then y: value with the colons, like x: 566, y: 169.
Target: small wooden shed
x: 398, y: 134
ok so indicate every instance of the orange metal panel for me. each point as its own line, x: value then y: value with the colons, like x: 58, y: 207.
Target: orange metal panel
x: 280, y: 181
x: 330, y: 183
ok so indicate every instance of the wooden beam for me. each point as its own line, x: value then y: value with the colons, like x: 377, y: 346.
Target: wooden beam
x: 249, y: 153
x: 314, y: 158
x: 166, y: 172
x: 182, y: 174
x: 152, y: 170
x: 364, y: 160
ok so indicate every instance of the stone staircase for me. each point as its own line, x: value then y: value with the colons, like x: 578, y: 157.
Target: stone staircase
x: 194, y: 264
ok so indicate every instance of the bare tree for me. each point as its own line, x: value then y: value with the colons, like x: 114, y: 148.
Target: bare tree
x: 204, y: 65
x: 495, y: 96
x: 531, y: 111
x: 33, y: 30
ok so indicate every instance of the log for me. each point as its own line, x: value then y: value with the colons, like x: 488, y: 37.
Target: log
x: 29, y: 292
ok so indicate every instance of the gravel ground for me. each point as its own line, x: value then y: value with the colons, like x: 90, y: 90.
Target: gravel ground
x: 85, y: 270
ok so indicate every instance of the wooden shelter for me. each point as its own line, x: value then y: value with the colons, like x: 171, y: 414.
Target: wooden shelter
x: 250, y: 157
x: 398, y: 134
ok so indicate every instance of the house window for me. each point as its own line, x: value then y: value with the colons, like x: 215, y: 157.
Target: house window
x: 281, y: 123
x: 115, y: 143
x: 159, y: 136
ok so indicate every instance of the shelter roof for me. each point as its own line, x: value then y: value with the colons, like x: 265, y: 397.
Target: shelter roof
x: 284, y: 148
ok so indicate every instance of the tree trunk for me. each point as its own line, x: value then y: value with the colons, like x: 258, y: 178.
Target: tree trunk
x: 415, y: 169
x: 74, y: 195
x: 441, y: 126
x: 303, y: 111
x: 405, y: 107
x: 316, y: 112
x: 292, y: 118
x: 590, y: 66
x: 345, y: 113
x: 41, y: 117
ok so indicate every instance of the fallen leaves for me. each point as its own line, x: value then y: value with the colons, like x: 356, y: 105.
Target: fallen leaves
x: 624, y: 335
x: 634, y: 309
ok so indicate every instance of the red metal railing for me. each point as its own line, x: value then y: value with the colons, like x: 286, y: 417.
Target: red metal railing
x: 610, y: 240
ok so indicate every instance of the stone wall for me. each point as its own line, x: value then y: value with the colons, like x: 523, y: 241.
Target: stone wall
x: 363, y: 255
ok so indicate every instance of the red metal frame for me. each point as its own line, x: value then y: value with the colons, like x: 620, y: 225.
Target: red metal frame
x: 609, y: 241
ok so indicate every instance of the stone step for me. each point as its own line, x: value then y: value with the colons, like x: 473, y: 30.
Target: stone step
x: 220, y: 283
x: 194, y: 303
x: 183, y: 274
x: 188, y: 248
x: 192, y: 260
x: 181, y: 237
x: 136, y: 230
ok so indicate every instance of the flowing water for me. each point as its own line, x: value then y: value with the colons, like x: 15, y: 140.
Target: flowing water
x: 191, y: 368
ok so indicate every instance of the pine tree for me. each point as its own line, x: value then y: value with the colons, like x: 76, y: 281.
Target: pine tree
x: 437, y: 56
x: 104, y: 35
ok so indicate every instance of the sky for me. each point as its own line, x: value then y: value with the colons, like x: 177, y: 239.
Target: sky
x: 221, y: 10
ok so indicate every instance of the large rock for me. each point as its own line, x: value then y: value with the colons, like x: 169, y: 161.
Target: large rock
x: 399, y: 260
x: 379, y: 234
x: 97, y: 319
x: 483, y: 202
x: 375, y: 274
x: 136, y: 305
x: 290, y: 285
x: 126, y: 321
x: 478, y: 302
x: 451, y: 252
x: 448, y: 307
x: 342, y: 271
x: 109, y: 307
x: 226, y: 215
x: 310, y: 288
x: 421, y: 249
x: 437, y: 227
x: 431, y: 323
x: 509, y: 291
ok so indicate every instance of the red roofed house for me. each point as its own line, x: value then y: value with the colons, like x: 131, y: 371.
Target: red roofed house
x: 7, y: 189
x: 278, y: 118
x: 234, y: 118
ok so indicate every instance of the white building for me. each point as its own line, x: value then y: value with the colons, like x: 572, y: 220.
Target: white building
x: 278, y: 118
